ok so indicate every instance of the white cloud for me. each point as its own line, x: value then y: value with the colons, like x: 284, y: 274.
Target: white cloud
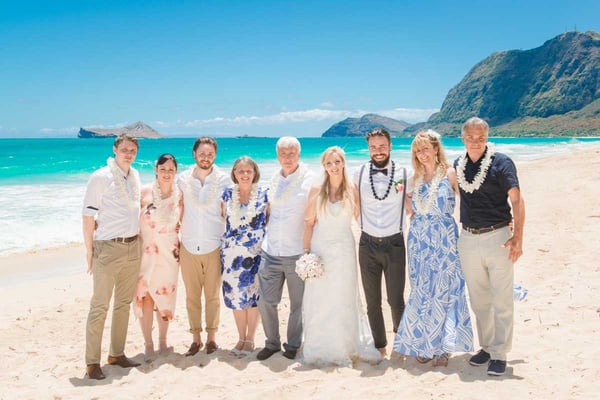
x: 410, y: 115
x: 283, y: 117
x: 71, y: 129
x: 327, y: 104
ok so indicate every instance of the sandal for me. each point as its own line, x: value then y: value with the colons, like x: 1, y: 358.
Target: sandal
x: 238, y: 348
x: 441, y: 360
x: 422, y: 360
x: 248, y: 347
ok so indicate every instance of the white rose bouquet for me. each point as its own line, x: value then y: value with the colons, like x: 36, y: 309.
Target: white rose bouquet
x: 309, y: 266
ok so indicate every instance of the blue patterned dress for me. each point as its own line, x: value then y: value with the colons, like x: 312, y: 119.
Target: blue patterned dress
x: 436, y: 319
x: 240, y: 253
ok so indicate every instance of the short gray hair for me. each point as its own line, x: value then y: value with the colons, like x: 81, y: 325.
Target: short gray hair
x: 475, y: 122
x: 287, y: 141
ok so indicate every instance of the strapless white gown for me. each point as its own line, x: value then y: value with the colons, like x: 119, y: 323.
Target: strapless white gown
x: 336, y: 328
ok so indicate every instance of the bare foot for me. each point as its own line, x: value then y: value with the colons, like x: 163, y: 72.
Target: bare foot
x: 162, y: 346
x: 149, y: 354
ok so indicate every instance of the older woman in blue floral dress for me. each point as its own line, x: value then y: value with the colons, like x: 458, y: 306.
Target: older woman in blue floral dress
x: 245, y: 209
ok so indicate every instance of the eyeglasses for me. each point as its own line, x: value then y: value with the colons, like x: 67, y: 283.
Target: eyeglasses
x: 208, y: 156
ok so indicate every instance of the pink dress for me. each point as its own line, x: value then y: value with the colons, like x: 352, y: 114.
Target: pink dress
x: 159, y: 271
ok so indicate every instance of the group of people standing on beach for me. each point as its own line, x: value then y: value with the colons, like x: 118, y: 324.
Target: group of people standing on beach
x: 228, y: 235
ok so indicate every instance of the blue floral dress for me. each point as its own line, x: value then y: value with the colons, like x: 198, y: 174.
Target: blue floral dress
x: 436, y: 319
x: 240, y: 250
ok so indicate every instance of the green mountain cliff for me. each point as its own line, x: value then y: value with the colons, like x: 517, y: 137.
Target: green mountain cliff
x: 550, y: 90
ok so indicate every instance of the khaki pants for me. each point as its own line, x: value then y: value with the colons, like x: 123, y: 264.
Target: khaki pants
x: 115, y: 267
x: 202, y: 272
x: 489, y: 277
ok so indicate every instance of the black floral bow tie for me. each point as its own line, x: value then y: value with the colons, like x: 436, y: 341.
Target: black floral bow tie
x: 375, y: 171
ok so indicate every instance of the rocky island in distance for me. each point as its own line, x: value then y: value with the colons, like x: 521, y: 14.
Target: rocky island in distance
x: 138, y: 130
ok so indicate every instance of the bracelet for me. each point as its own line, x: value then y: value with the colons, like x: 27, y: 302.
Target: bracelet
x: 306, y: 250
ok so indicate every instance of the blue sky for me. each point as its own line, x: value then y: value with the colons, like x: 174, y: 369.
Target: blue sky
x: 267, y: 68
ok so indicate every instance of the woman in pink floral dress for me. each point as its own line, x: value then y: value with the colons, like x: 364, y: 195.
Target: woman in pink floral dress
x: 159, y: 272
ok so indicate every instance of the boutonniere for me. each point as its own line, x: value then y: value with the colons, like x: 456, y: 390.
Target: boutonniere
x: 399, y: 185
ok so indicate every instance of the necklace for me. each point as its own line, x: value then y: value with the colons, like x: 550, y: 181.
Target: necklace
x: 213, y: 187
x: 131, y: 198
x: 234, y: 207
x: 387, y: 191
x: 479, y: 178
x: 164, y: 214
x: 423, y: 205
x: 283, y: 195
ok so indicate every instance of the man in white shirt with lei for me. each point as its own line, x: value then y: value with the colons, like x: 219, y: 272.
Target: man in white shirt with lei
x: 282, y: 247
x: 381, y: 250
x: 202, y: 228
x: 111, y: 210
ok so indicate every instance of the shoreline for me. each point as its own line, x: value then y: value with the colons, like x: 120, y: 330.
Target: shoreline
x: 523, y: 163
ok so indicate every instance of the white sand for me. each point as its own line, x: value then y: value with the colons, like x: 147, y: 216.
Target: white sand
x: 555, y: 352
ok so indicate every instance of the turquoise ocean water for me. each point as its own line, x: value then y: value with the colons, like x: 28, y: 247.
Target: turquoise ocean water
x: 42, y: 181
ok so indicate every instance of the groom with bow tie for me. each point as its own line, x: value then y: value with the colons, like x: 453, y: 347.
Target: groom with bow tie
x: 381, y: 249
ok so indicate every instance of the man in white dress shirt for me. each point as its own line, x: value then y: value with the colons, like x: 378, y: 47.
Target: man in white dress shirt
x: 381, y: 249
x: 202, y: 227
x: 282, y: 247
x: 111, y: 210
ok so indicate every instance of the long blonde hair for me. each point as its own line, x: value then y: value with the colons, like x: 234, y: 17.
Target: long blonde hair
x: 421, y: 139
x: 346, y: 185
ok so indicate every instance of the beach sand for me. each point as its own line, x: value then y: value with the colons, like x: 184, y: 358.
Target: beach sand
x: 555, y: 351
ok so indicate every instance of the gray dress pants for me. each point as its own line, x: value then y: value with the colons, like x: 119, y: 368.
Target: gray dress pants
x: 271, y: 276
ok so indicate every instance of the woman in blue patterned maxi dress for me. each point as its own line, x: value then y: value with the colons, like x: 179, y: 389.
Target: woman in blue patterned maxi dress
x: 245, y: 208
x: 436, y: 319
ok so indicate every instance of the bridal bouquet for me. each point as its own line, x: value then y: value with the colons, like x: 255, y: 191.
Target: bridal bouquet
x: 309, y: 266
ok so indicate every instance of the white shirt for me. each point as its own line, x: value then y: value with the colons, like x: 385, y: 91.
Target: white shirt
x: 202, y: 225
x: 117, y: 216
x: 287, y: 202
x: 380, y: 218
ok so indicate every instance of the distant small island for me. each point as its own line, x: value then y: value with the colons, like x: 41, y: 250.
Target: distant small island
x: 138, y: 130
x: 357, y: 127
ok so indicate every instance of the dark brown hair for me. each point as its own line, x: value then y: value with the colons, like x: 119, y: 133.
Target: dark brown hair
x: 205, y: 140
x: 378, y: 132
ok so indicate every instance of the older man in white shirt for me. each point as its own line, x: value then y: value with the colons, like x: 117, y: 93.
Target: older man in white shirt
x: 202, y: 227
x: 111, y: 210
x: 381, y: 249
x: 282, y: 247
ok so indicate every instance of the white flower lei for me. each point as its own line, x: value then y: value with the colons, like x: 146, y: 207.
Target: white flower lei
x: 212, y: 189
x: 132, y: 199
x: 291, y: 187
x: 470, y: 187
x: 424, y: 206
x: 234, y: 207
x: 163, y: 215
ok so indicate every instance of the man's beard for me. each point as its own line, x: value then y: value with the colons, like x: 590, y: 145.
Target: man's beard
x: 380, y: 164
x: 205, y: 167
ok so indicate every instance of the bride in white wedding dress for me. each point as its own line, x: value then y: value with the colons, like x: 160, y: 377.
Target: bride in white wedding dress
x: 336, y: 329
